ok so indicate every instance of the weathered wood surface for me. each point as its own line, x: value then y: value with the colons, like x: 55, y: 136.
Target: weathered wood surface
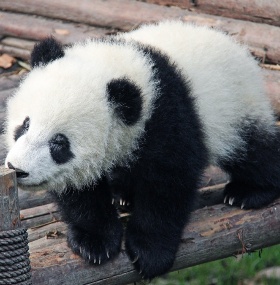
x: 254, y: 10
x: 34, y: 28
x: 213, y: 232
x: 9, y: 206
x: 127, y: 14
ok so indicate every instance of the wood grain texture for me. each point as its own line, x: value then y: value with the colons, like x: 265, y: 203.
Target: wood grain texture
x: 126, y: 15
x: 9, y: 206
x: 213, y: 232
x: 253, y: 10
x: 37, y: 28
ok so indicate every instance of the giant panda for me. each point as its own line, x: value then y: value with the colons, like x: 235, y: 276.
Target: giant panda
x: 142, y: 114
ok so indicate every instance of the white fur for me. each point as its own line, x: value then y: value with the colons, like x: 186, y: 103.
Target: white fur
x: 69, y: 96
x: 227, y: 82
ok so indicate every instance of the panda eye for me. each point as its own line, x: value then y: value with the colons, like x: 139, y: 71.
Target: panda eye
x: 21, y: 130
x: 59, y: 146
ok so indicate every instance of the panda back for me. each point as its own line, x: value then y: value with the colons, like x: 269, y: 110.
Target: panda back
x: 226, y: 81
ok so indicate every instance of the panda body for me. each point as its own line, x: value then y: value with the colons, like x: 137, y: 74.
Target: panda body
x: 221, y: 88
x: 141, y: 115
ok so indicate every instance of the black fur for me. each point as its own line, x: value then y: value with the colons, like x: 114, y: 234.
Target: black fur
x: 161, y: 183
x: 22, y: 129
x: 126, y: 97
x: 60, y: 149
x: 94, y: 229
x: 254, y: 170
x: 45, y: 52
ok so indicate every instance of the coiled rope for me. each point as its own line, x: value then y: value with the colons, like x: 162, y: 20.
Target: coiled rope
x: 14, y: 258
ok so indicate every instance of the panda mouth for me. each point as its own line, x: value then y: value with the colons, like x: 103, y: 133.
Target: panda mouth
x: 27, y: 185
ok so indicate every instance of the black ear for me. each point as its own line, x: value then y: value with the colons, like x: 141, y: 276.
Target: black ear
x: 46, y: 51
x: 125, y: 96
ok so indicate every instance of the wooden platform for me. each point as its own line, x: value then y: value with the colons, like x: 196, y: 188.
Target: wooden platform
x: 216, y: 230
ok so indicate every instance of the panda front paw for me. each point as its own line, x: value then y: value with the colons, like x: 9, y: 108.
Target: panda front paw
x: 151, y: 254
x: 93, y: 248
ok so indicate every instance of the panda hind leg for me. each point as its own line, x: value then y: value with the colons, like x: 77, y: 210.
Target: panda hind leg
x: 255, y: 174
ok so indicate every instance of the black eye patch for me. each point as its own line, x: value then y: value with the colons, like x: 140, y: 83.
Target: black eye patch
x: 126, y: 98
x: 60, y: 149
x: 22, y: 129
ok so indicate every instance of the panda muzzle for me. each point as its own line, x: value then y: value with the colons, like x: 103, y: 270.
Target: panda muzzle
x: 19, y: 173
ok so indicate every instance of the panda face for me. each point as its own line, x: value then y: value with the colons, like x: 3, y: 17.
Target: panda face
x: 38, y: 159
x: 70, y: 122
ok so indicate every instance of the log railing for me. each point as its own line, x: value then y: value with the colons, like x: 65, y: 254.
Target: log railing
x: 215, y: 231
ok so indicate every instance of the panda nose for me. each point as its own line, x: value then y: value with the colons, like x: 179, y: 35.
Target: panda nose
x: 19, y: 173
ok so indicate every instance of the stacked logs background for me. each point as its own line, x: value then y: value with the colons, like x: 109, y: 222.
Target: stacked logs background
x: 215, y: 230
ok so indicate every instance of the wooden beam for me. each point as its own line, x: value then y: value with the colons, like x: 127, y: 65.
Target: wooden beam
x: 214, y: 232
x: 126, y: 15
x: 272, y: 86
x: 34, y: 28
x: 9, y: 206
x: 254, y: 10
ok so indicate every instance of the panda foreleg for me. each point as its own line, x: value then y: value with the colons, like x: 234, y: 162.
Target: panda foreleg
x: 161, y: 210
x: 94, y: 230
x: 255, y: 173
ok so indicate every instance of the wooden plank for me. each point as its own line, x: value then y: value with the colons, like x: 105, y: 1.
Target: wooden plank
x: 14, y: 51
x: 39, y: 216
x: 18, y: 43
x: 213, y: 232
x: 36, y: 28
x: 41, y: 232
x: 272, y: 85
x: 31, y: 199
x: 2, y: 148
x: 9, y: 207
x: 126, y: 15
x: 254, y: 10
x: 3, y: 97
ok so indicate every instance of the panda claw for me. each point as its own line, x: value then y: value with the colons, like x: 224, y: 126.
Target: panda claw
x: 242, y: 205
x: 231, y: 201
x: 99, y: 261
x: 107, y: 253
x: 135, y: 259
x: 121, y: 202
x: 113, y: 201
x: 94, y: 260
x: 225, y: 199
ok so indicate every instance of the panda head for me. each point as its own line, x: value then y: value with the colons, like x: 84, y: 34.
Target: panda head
x: 77, y: 114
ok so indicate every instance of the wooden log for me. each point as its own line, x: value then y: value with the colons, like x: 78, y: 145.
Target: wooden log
x: 58, y: 230
x: 14, y: 51
x: 2, y: 149
x: 39, y: 216
x: 254, y: 10
x: 45, y: 214
x: 126, y: 15
x: 34, y: 28
x: 30, y: 199
x: 3, y: 97
x: 9, y: 206
x: 214, y: 232
x: 272, y: 85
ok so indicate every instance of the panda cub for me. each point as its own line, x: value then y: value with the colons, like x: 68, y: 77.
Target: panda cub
x: 141, y: 115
